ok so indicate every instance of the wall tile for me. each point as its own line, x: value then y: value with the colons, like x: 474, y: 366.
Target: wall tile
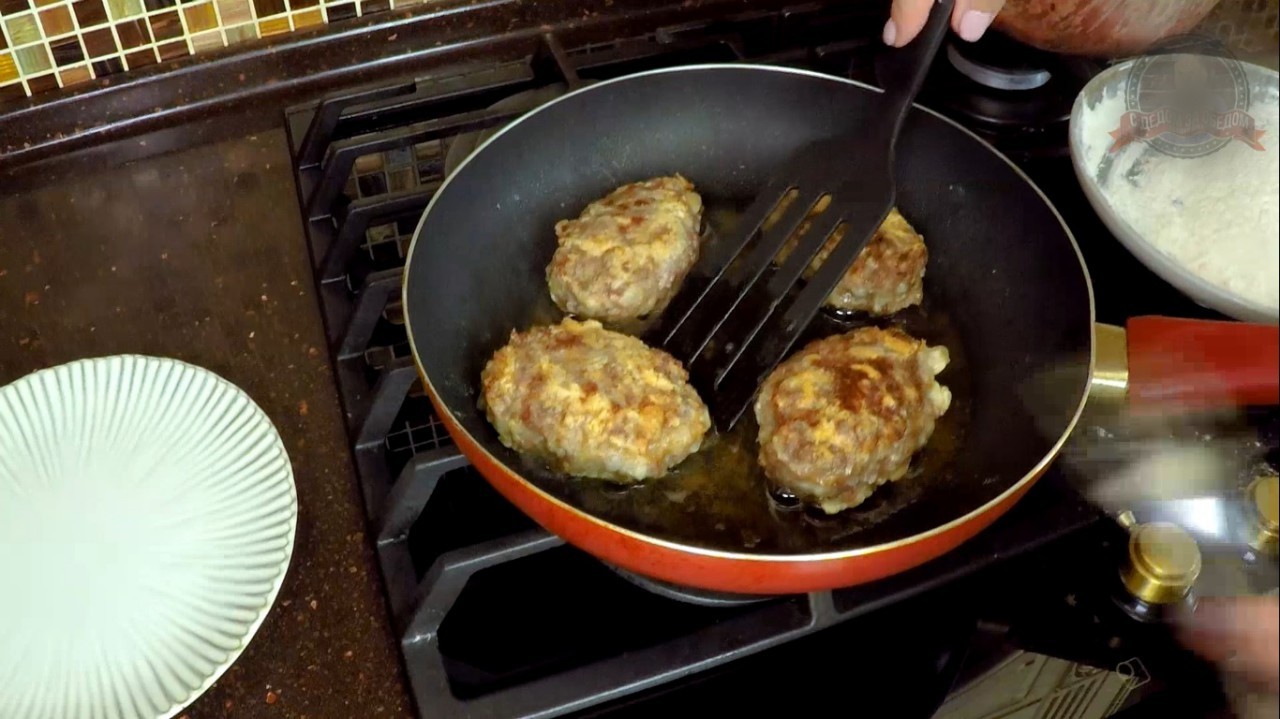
x: 10, y: 93
x: 121, y: 9
x: 133, y: 33
x: 100, y: 43
x: 56, y: 21
x: 308, y: 18
x: 43, y: 83
x: 173, y: 50
x: 66, y: 51
x: 107, y: 66
x: 200, y: 18
x: 273, y: 26
x: 267, y: 8
x: 141, y: 58
x: 12, y: 7
x: 234, y: 12
x: 241, y: 33
x: 40, y: 51
x: 90, y: 13
x: 166, y: 25
x: 8, y: 68
x: 75, y: 75
x: 32, y: 60
x: 207, y: 41
x: 22, y: 29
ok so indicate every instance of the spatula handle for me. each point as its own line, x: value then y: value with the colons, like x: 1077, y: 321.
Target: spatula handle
x: 902, y: 70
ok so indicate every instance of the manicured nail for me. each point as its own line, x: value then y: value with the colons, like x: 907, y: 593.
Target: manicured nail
x: 973, y: 23
x: 890, y: 32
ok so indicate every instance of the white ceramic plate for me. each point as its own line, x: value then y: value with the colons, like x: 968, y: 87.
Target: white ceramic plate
x: 147, y: 517
x: 1096, y: 174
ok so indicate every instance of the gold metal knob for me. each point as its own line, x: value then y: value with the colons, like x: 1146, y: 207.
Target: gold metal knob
x: 1163, y: 563
x: 1263, y: 497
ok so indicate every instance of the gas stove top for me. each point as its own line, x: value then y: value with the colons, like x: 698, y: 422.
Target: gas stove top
x: 499, y: 618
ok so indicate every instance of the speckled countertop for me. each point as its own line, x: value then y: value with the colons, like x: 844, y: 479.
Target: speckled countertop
x: 199, y: 255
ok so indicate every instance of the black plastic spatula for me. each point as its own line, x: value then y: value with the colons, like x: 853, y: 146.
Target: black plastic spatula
x: 731, y: 322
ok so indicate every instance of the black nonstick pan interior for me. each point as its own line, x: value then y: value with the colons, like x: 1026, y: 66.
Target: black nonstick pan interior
x: 1005, y: 291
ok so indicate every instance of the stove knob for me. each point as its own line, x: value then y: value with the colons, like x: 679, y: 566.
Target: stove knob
x: 1163, y: 562
x: 1262, y: 502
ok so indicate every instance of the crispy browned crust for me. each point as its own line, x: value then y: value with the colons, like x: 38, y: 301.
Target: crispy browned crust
x: 625, y: 256
x: 846, y: 414
x: 593, y: 403
x: 886, y: 277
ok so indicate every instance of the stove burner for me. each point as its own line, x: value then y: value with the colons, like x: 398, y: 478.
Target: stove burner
x: 994, y: 76
x: 689, y: 595
x: 1015, y: 97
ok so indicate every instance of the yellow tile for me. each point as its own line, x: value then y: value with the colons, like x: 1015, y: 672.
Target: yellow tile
x: 22, y: 29
x: 308, y: 18
x: 200, y: 17
x: 33, y: 59
x: 273, y: 26
x: 8, y: 68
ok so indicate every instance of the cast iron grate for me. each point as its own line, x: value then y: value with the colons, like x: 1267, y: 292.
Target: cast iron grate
x: 367, y: 163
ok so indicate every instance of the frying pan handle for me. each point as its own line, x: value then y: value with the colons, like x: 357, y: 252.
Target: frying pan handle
x: 902, y: 70
x: 1202, y: 363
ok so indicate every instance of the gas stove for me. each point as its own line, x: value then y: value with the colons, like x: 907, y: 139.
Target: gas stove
x: 498, y: 618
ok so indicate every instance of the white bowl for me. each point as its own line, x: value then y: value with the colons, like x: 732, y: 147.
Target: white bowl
x: 1094, y: 172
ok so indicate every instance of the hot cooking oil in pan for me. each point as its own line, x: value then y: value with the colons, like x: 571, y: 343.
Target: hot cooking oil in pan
x: 719, y: 498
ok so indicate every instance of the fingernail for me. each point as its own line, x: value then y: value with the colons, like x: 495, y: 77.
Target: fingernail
x: 973, y: 23
x: 890, y: 32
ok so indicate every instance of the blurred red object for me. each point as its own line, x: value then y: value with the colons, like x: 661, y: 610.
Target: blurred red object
x: 1107, y: 28
x: 1196, y: 364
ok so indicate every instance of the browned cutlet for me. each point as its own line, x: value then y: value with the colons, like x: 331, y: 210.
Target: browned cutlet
x: 593, y: 403
x: 846, y: 413
x: 625, y: 256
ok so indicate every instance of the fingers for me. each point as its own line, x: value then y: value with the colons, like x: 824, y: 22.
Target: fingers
x: 1241, y: 634
x: 969, y: 19
x: 906, y: 18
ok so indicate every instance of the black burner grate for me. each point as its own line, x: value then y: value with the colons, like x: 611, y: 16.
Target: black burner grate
x: 453, y: 553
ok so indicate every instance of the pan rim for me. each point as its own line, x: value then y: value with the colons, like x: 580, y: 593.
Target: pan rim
x: 843, y: 554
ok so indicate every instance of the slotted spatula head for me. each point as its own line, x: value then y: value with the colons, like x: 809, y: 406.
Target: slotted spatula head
x: 733, y: 321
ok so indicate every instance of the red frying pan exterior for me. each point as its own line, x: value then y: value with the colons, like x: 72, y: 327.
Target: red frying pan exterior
x: 1011, y: 279
x: 722, y: 572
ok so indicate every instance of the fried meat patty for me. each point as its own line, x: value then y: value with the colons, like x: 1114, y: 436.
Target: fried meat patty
x: 592, y: 402
x: 846, y: 413
x: 625, y: 256
x: 886, y: 277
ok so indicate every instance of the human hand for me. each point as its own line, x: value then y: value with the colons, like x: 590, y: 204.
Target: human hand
x: 969, y: 18
x: 1240, y: 634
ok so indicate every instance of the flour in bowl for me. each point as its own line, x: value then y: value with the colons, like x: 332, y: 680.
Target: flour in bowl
x: 1217, y: 215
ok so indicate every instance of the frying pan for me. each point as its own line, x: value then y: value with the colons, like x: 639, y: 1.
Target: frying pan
x: 1006, y: 291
